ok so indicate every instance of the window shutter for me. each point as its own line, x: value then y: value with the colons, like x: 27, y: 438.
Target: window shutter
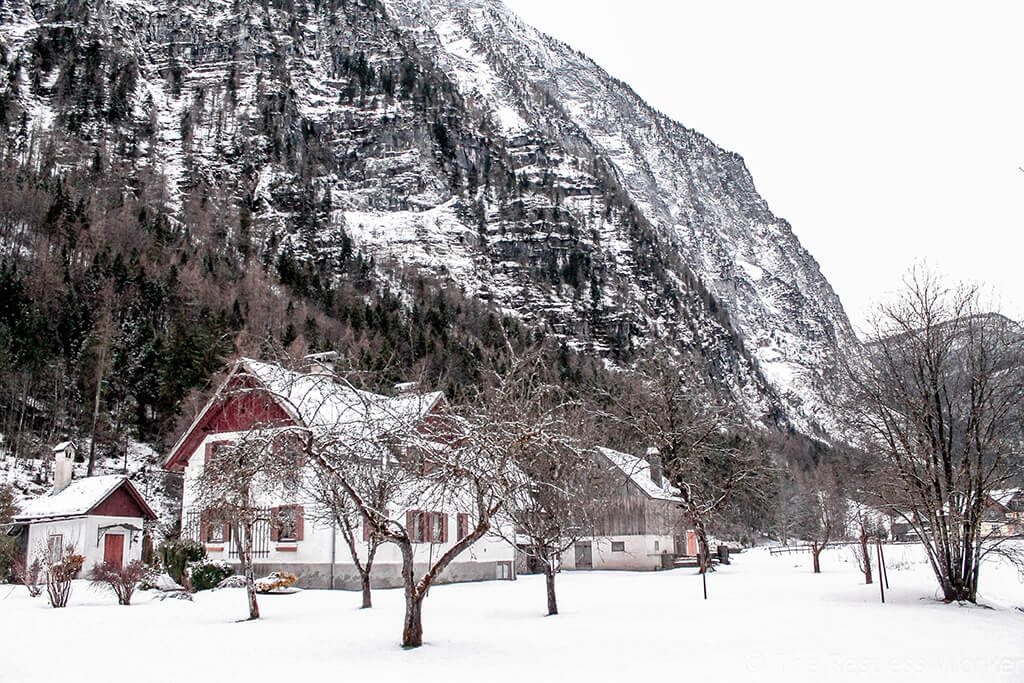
x: 204, y: 526
x: 410, y: 525
x: 366, y: 529
x: 463, y: 524
x: 227, y: 531
x: 425, y: 527
x: 299, y: 523
x: 444, y: 527
x: 275, y: 524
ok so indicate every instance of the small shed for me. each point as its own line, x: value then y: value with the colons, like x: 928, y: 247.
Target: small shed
x: 101, y: 517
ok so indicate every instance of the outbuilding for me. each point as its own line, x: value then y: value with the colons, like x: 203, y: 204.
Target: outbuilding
x: 102, y: 518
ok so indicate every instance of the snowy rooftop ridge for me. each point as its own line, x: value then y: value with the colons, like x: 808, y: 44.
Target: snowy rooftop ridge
x: 80, y: 496
x: 639, y: 472
x: 322, y: 403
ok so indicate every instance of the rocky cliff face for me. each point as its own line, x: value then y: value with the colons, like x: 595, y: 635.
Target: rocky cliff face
x: 445, y: 137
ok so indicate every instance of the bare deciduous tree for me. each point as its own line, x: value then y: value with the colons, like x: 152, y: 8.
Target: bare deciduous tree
x: 937, y: 395
x: 706, y: 450
x: 237, y: 481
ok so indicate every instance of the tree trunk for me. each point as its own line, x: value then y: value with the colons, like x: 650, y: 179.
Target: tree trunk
x: 866, y: 558
x: 816, y: 553
x: 703, y: 548
x: 412, y: 630
x: 95, y: 419
x: 364, y: 577
x: 412, y: 627
x: 549, y: 575
x: 245, y: 557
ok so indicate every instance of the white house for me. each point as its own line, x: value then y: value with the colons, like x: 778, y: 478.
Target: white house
x: 102, y: 518
x: 258, y: 395
x: 643, y: 528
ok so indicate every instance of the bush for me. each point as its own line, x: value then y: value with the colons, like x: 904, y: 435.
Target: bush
x: 121, y: 580
x: 30, y: 576
x: 60, y: 574
x: 209, y: 574
x: 8, y: 555
x: 176, y: 555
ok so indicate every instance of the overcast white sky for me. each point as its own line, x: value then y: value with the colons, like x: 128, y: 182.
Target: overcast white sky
x: 887, y: 132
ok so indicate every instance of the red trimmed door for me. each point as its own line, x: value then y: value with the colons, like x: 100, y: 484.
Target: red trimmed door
x: 113, y: 549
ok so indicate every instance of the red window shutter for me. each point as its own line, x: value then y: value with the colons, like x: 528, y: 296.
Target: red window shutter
x: 366, y: 529
x: 227, y: 531
x: 463, y: 524
x: 299, y: 523
x: 444, y: 527
x: 275, y: 524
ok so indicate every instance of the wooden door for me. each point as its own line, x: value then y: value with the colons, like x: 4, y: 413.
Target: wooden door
x: 584, y: 556
x: 113, y: 549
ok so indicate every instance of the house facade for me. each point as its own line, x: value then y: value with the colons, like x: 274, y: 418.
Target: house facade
x: 643, y: 527
x: 103, y: 518
x: 298, y: 535
x: 1004, y: 513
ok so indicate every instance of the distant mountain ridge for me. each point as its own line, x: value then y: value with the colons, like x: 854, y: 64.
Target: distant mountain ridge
x: 443, y: 137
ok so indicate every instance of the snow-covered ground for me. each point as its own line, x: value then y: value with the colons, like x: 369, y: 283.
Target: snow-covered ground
x: 768, y: 618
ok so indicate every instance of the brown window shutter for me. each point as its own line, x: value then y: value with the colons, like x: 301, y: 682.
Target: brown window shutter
x: 227, y: 531
x: 299, y: 523
x: 410, y: 525
x: 444, y: 527
x: 463, y: 524
x: 275, y: 524
x: 366, y: 529
x: 204, y: 526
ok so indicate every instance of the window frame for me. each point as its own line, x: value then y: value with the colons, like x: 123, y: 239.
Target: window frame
x: 621, y: 546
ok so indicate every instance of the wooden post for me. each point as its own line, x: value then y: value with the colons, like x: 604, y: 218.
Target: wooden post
x: 878, y: 553
x: 704, y: 576
x: 883, y: 570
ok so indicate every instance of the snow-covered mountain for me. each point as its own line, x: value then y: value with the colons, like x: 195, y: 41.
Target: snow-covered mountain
x: 444, y: 137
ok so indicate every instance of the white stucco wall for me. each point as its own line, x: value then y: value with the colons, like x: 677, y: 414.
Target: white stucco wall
x: 83, y: 533
x: 641, y: 552
x: 315, y: 547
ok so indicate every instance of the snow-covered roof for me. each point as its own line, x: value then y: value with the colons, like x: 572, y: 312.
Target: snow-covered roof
x: 1004, y: 496
x: 639, y: 472
x: 80, y: 496
x: 63, y: 446
x: 322, y: 403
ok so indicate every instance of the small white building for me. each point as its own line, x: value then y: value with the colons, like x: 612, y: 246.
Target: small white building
x: 102, y: 518
x: 643, y: 527
x: 266, y: 396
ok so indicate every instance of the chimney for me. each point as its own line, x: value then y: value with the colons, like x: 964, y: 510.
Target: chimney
x: 654, y: 460
x: 321, y: 363
x: 406, y: 388
x: 63, y: 465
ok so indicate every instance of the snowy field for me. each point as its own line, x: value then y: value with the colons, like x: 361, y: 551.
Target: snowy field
x: 768, y: 618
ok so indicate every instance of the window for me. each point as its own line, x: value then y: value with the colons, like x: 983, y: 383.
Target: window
x: 426, y: 527
x: 657, y: 546
x: 462, y: 522
x: 214, y: 529
x: 55, y: 548
x: 618, y: 546
x: 287, y: 523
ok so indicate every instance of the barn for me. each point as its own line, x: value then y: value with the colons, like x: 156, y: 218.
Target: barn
x: 644, y: 525
x: 103, y: 518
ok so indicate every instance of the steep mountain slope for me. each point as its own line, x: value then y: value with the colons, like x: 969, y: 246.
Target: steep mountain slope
x: 439, y: 137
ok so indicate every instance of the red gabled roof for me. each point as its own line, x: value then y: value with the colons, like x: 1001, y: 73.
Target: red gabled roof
x: 228, y: 413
